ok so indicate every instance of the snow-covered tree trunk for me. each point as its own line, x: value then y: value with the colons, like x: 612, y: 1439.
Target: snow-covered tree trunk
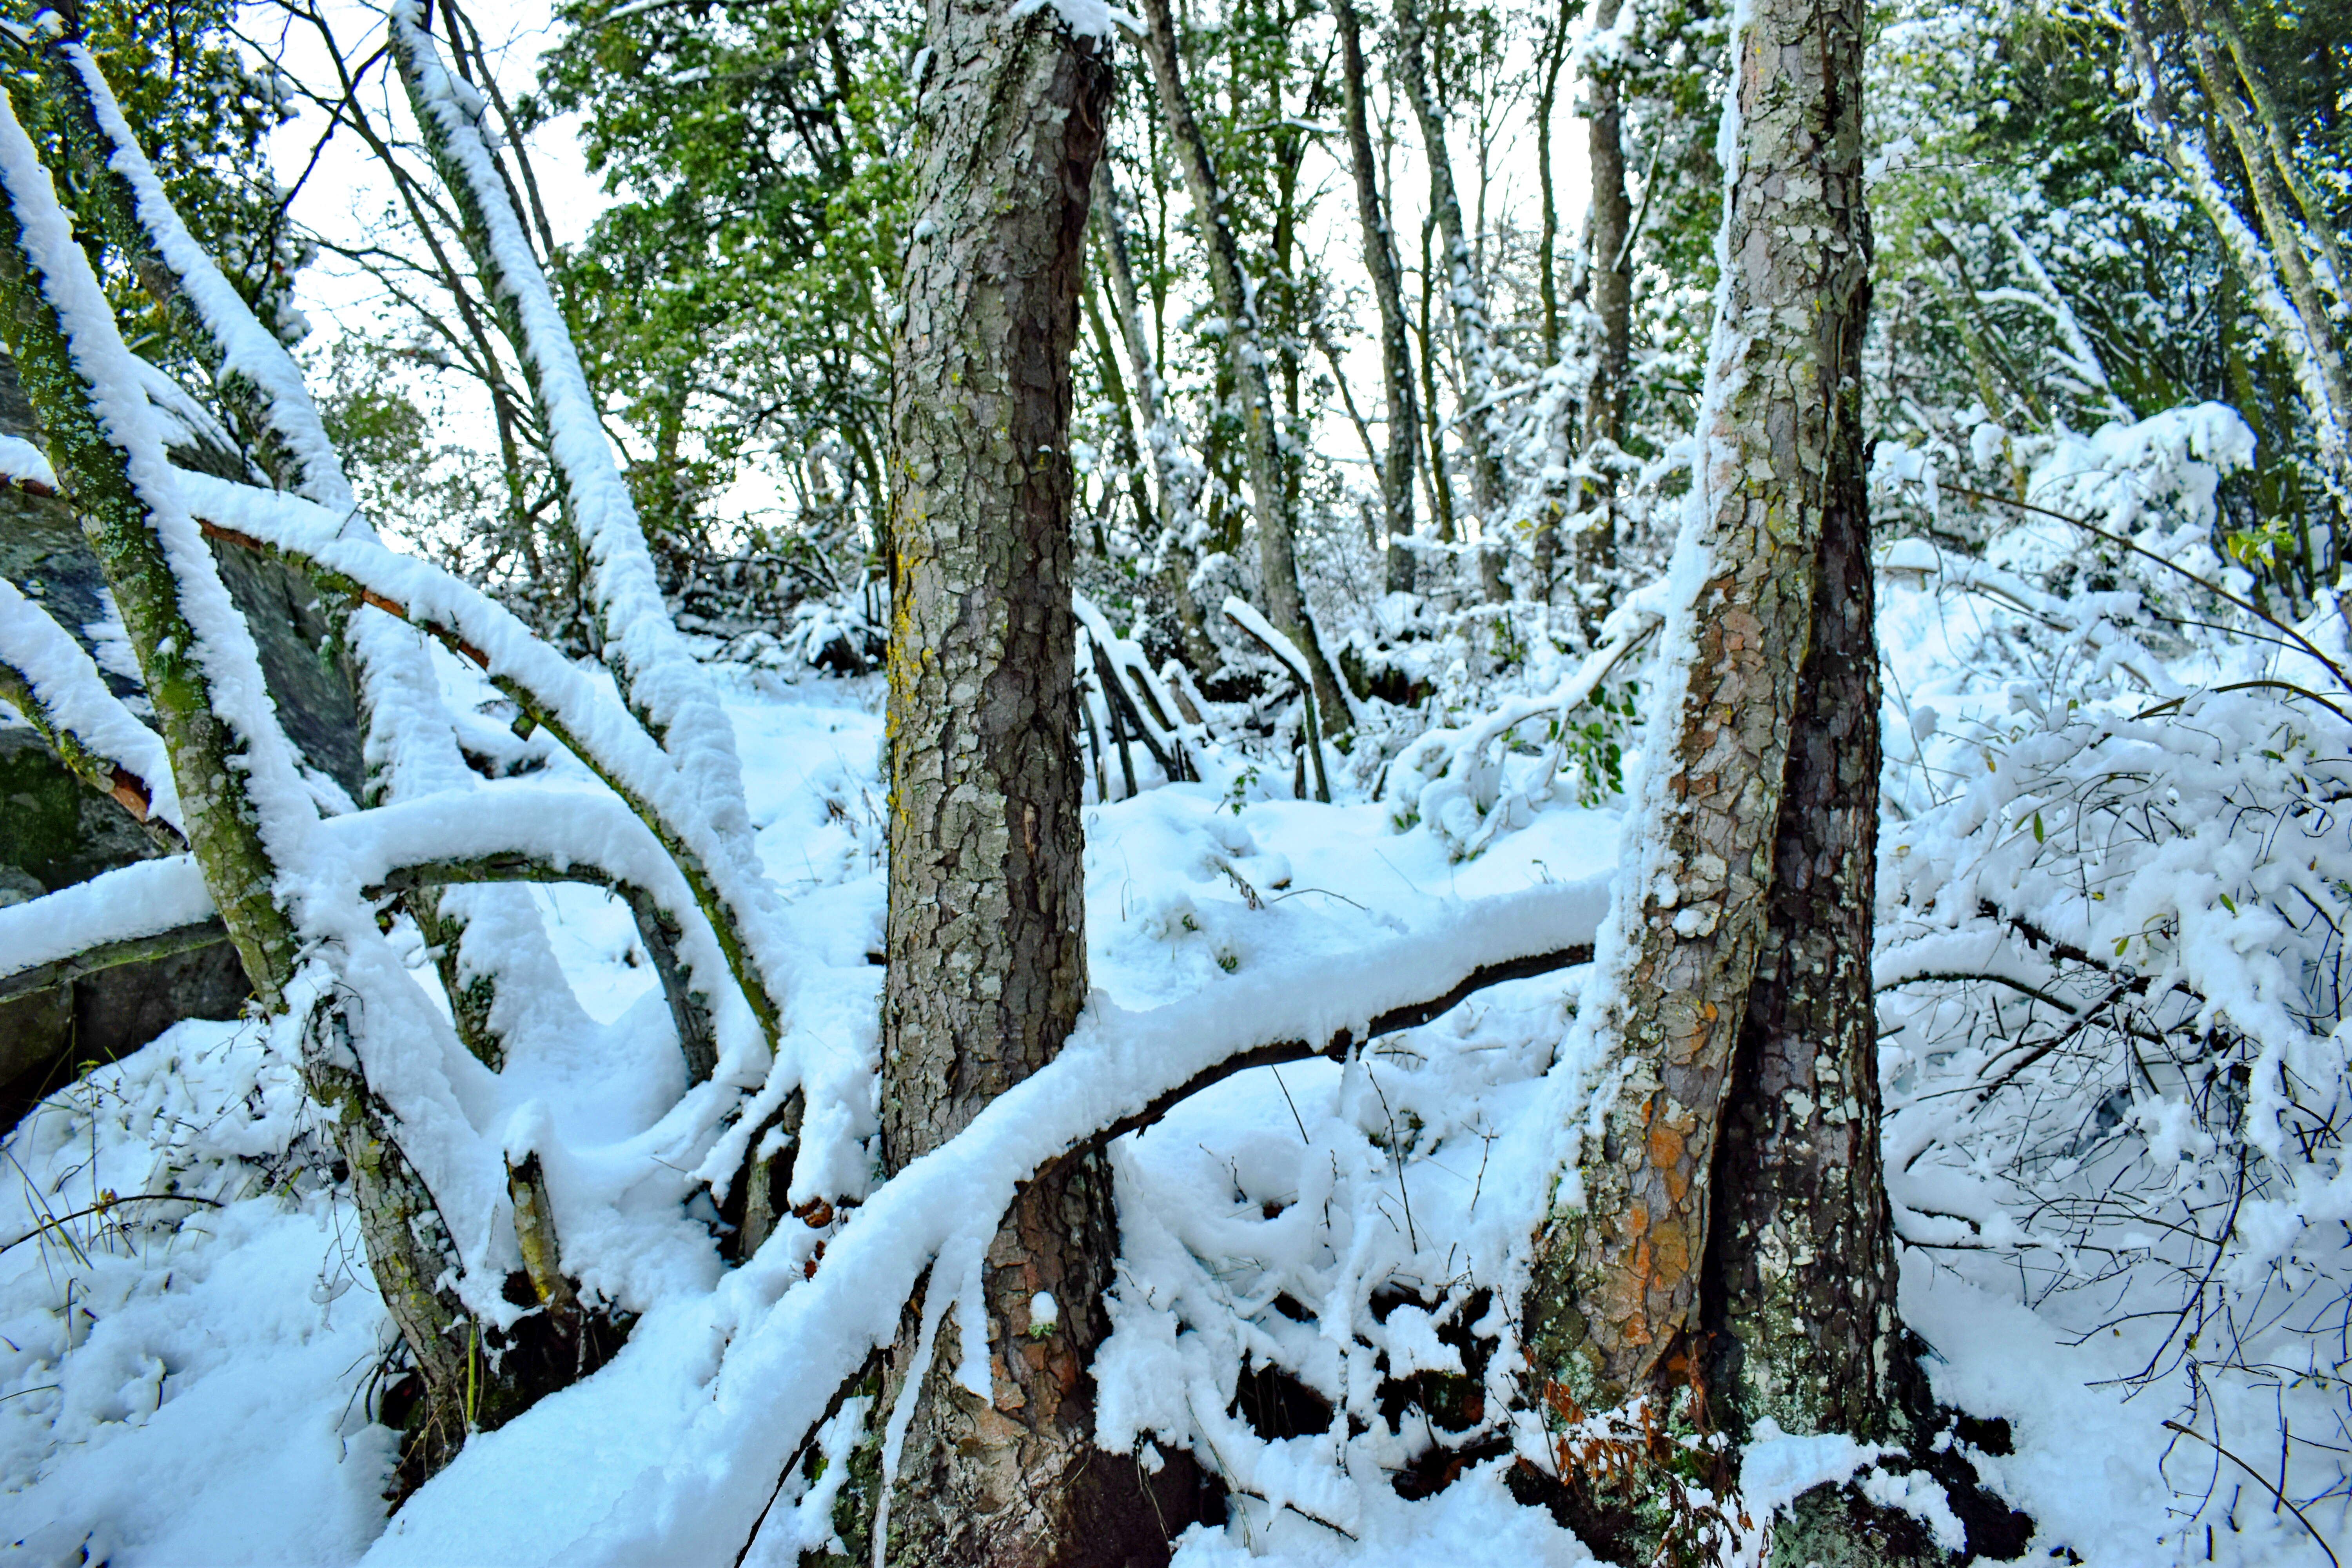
x: 1396, y: 353
x: 231, y: 767
x: 206, y: 750
x: 1616, y: 1304
x: 987, y: 940
x: 1799, y: 1294
x: 1271, y: 493
x: 2304, y: 335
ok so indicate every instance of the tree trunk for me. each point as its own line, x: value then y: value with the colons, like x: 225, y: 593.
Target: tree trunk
x: 987, y: 954
x: 1798, y: 1297
x: 2310, y: 349
x: 2272, y: 208
x: 1396, y: 353
x: 1616, y: 1303
x: 1270, y: 490
x: 1441, y: 478
x: 1611, y: 261
x: 224, y: 761
x: 1550, y: 57
x: 1801, y: 1276
x: 1463, y: 291
x: 1179, y: 488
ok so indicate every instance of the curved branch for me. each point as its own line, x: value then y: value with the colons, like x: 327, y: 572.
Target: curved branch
x: 659, y: 927
x: 550, y: 691
x: 1411, y: 1017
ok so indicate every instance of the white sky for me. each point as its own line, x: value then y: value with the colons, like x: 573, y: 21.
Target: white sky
x: 347, y: 193
x: 346, y: 196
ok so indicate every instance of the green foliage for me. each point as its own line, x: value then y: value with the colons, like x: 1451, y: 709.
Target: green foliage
x: 202, y: 112
x: 1596, y: 748
x: 732, y: 304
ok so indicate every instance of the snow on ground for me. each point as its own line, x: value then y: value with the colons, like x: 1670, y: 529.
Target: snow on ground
x: 183, y: 1382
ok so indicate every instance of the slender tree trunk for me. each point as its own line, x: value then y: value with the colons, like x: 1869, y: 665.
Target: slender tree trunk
x: 1617, y: 1303
x: 1465, y: 293
x: 1173, y: 473
x: 2310, y: 346
x: 2272, y: 207
x: 1147, y: 516
x: 1270, y: 490
x: 1611, y: 263
x: 1553, y: 58
x: 1380, y: 262
x: 1441, y: 478
x: 1550, y: 58
x: 987, y: 950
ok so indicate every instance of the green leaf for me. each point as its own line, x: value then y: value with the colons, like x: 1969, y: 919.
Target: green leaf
x: 2037, y: 827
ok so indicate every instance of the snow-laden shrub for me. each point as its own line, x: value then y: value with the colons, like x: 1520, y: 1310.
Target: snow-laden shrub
x: 2116, y: 875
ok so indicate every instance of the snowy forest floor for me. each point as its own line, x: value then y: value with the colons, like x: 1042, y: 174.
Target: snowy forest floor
x: 189, y: 1382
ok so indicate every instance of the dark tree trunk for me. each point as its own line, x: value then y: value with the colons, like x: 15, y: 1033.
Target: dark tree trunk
x: 1465, y: 293
x: 1550, y: 57
x: 1610, y: 276
x: 987, y: 947
x: 1396, y: 353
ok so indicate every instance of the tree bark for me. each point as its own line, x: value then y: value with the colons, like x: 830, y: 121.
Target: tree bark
x: 59, y: 361
x: 1799, y: 1297
x: 1396, y: 353
x: 1270, y: 490
x: 987, y: 955
x: 1616, y: 1301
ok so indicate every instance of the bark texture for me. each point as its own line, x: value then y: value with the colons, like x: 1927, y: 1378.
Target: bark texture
x: 1617, y: 1293
x: 1272, y: 494
x: 207, y: 752
x: 1396, y: 353
x: 987, y: 956
x: 1800, y: 1294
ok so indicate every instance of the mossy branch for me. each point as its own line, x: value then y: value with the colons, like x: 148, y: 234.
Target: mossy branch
x: 659, y: 927
x: 112, y: 955
x: 207, y: 753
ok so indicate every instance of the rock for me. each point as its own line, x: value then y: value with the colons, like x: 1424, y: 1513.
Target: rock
x: 56, y: 831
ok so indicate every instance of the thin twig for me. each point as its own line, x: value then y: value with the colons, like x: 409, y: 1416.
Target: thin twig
x: 2266, y: 1486
x: 105, y: 1204
x: 2215, y: 589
